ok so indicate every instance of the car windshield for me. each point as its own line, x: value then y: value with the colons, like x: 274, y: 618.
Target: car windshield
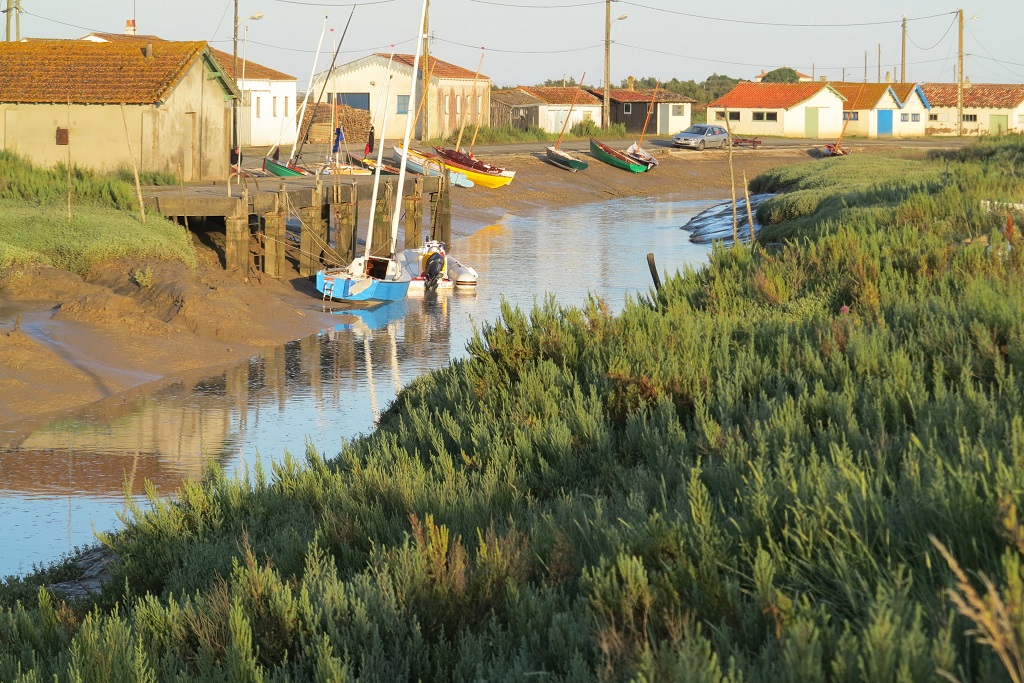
x: 700, y: 130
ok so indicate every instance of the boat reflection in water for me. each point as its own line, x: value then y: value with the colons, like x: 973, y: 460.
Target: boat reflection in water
x: 67, y: 479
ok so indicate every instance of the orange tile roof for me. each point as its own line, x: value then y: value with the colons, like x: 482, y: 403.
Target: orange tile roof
x: 559, y: 95
x: 982, y: 95
x: 253, y: 71
x: 440, y: 69
x: 83, y: 72
x: 768, y: 95
x: 903, y: 90
x: 860, y: 96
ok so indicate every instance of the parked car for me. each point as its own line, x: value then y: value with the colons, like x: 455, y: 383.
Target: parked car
x: 701, y: 135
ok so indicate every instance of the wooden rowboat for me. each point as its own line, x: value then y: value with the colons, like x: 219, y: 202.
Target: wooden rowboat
x: 615, y: 158
x: 276, y: 168
x: 565, y: 160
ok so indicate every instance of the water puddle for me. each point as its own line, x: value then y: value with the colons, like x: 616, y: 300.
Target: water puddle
x: 68, y: 479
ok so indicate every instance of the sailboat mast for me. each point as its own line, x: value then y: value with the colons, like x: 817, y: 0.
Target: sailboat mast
x: 305, y: 98
x: 408, y: 128
x: 649, y: 108
x: 380, y: 152
x: 573, y: 104
x: 462, y: 126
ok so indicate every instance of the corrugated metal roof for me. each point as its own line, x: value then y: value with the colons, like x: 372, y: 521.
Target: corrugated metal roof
x: 624, y: 95
x: 440, y: 69
x: 981, y: 95
x: 768, y: 95
x: 560, y: 95
x: 514, y: 97
x: 84, y: 72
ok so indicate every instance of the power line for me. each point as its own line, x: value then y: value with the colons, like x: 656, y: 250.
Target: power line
x: 326, y: 4
x: 782, y: 24
x: 999, y: 62
x: 523, y: 52
x: 310, y: 51
x: 505, y: 4
x: 926, y: 49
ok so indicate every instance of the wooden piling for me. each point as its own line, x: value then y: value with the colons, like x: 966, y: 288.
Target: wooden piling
x: 312, y: 238
x: 236, y: 243
x: 414, y: 216
x: 274, y: 238
x: 346, y: 217
x: 441, y: 226
x: 382, y: 226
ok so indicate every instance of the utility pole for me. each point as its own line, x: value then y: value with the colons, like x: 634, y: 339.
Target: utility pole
x: 865, y: 66
x: 234, y: 77
x: 879, y: 62
x: 10, y: 8
x: 424, y: 134
x: 960, y: 78
x: 608, y: 56
x: 903, y: 53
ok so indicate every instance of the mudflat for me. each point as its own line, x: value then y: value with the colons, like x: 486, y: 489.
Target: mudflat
x: 107, y: 336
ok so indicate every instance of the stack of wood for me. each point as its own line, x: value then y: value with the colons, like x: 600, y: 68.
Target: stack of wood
x: 354, y: 122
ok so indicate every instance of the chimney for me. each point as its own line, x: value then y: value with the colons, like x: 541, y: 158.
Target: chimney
x: 888, y: 77
x: 147, y: 51
x: 629, y: 83
x: 129, y: 27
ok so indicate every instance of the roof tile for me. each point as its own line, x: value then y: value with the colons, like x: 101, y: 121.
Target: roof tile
x: 83, y: 72
x: 982, y: 95
x: 768, y: 95
x: 439, y: 68
x: 559, y: 95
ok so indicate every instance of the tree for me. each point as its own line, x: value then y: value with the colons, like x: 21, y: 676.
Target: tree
x: 782, y: 75
x: 569, y: 82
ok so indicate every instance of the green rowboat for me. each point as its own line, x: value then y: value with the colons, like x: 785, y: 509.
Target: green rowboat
x: 614, y: 157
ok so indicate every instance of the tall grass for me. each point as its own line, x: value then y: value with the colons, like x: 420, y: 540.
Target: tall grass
x: 34, y: 225
x: 735, y: 479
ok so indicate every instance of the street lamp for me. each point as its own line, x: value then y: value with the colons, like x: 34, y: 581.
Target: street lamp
x: 241, y: 83
x: 607, y: 55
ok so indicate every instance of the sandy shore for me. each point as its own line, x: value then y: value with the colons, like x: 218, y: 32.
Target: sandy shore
x: 80, y: 340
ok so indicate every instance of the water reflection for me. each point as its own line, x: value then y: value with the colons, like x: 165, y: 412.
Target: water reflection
x: 63, y: 481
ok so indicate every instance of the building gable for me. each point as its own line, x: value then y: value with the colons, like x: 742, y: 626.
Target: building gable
x: 86, y: 72
x: 559, y: 95
x: 771, y: 95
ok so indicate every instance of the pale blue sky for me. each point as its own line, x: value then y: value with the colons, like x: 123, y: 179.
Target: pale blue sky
x: 528, y: 41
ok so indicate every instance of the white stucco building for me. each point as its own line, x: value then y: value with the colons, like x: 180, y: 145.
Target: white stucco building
x: 989, y: 108
x: 792, y: 110
x: 880, y: 110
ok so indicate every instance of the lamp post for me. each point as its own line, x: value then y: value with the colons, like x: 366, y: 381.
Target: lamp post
x: 241, y: 83
x: 608, y: 54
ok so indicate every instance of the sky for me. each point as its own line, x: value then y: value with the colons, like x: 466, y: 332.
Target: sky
x: 525, y: 42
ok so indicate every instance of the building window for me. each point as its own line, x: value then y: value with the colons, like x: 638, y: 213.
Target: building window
x: 258, y: 106
x: 915, y: 118
x: 403, y: 104
x: 933, y: 117
x: 589, y: 115
x: 904, y: 118
x: 734, y: 116
x: 851, y: 116
x: 677, y: 110
x: 719, y: 116
x: 1020, y: 118
x: 330, y: 98
x: 448, y: 103
x: 627, y: 108
x: 479, y: 104
x: 458, y: 104
x: 273, y: 107
x: 970, y: 118
x: 765, y: 116
x: 286, y: 107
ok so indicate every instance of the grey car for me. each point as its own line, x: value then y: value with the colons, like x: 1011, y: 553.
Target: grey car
x: 701, y: 135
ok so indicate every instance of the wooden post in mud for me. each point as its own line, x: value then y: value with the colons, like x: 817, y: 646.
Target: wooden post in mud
x: 236, y: 242
x: 274, y: 236
x: 414, y: 216
x: 345, y: 206
x: 312, y: 236
x: 382, y: 225
x: 441, y: 225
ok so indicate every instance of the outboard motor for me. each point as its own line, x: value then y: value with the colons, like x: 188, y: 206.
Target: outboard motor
x: 433, y: 269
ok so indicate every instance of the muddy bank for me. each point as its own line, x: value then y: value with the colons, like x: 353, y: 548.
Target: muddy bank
x: 80, y: 340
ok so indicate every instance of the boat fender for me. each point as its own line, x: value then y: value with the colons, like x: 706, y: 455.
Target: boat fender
x: 433, y: 269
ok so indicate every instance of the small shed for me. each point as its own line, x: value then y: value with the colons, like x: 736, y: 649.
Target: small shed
x: 880, y: 110
x: 553, y: 112
x: 514, y: 107
x: 792, y: 110
x: 671, y: 112
x: 99, y: 105
x: 989, y: 108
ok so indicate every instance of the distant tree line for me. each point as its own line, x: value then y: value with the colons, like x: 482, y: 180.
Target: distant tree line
x: 711, y: 88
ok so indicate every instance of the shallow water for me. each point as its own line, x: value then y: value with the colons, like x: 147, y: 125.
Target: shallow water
x: 67, y: 480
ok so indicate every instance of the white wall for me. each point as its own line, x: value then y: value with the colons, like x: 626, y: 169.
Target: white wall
x: 945, y: 120
x: 552, y: 116
x: 371, y: 77
x: 746, y: 126
x: 269, y: 126
x: 670, y: 123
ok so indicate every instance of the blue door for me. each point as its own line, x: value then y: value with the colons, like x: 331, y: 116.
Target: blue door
x: 884, y: 122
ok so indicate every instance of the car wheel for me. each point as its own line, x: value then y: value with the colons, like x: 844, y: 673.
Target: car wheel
x: 700, y: 146
x: 725, y: 143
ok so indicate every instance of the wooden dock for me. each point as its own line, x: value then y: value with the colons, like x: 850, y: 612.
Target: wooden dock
x: 255, y: 213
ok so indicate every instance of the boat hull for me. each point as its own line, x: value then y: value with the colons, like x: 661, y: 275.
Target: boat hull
x: 482, y: 179
x: 276, y: 168
x: 614, y: 158
x: 565, y: 160
x: 341, y: 286
x: 421, y: 165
